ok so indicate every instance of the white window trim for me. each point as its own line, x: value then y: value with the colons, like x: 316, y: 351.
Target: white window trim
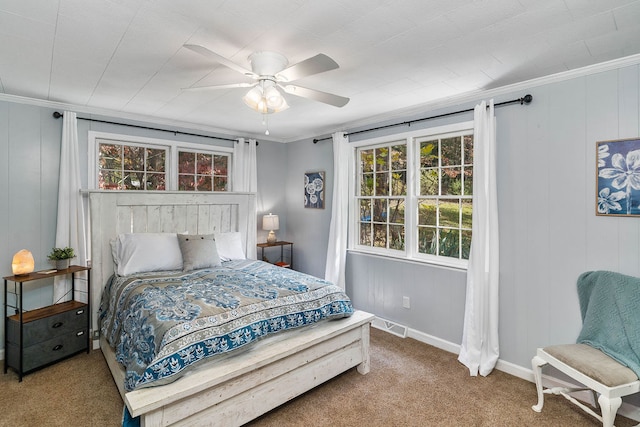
x: 410, y: 253
x: 172, y: 161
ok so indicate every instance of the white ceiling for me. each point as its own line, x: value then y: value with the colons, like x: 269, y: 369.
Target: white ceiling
x: 127, y: 56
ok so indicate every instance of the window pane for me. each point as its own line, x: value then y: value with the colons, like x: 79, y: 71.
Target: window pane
x: 186, y: 182
x: 449, y: 213
x: 396, y: 211
x: 429, y: 182
x: 155, y: 160
x: 451, y: 181
x: 220, y: 164
x: 468, y: 180
x: 451, y: 151
x: 468, y: 149
x: 110, y: 156
x: 379, y: 210
x: 155, y: 181
x: 366, y: 185
x: 133, y: 158
x: 382, y: 159
x: 396, y: 236
x: 399, y: 157
x: 467, y: 213
x: 427, y: 240
x: 109, y: 180
x: 365, y: 233
x: 220, y: 183
x: 382, y: 184
x: 449, y: 243
x: 366, y: 161
x: 204, y: 183
x: 466, y: 243
x: 134, y: 181
x: 205, y: 164
x: 427, y: 210
x: 429, y: 154
x: 380, y: 235
x: 186, y: 162
x: 365, y: 210
x: 399, y: 183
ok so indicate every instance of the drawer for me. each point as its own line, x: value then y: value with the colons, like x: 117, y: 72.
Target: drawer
x: 42, y: 329
x: 48, y: 351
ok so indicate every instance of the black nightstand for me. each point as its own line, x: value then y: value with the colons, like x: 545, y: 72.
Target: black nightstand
x: 37, y: 338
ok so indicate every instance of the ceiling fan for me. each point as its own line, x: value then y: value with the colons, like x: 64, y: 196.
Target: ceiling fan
x: 270, y: 71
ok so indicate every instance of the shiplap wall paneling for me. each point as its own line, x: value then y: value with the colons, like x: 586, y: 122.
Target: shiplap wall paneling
x: 629, y: 127
x: 27, y: 206
x: 602, y: 124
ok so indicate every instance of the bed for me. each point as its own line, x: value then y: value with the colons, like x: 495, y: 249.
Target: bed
x: 233, y: 387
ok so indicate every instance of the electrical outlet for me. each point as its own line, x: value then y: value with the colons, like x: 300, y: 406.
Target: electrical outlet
x: 96, y: 334
x: 406, y: 302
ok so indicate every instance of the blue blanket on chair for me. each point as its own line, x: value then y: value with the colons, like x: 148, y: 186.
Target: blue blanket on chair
x: 610, y: 308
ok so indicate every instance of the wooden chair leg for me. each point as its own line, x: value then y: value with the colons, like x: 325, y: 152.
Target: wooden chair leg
x: 609, y: 408
x: 537, y: 363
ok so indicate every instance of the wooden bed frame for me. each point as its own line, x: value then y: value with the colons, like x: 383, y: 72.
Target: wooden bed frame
x: 238, y: 387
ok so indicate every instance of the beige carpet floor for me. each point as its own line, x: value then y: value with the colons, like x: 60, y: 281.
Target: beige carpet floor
x: 410, y: 384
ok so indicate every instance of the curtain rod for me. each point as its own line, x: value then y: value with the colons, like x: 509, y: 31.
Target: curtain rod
x: 57, y: 115
x: 524, y: 100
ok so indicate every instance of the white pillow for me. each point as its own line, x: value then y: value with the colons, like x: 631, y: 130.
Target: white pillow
x: 142, y: 252
x: 229, y: 246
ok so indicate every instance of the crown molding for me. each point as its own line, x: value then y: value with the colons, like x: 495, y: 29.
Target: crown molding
x: 474, y: 96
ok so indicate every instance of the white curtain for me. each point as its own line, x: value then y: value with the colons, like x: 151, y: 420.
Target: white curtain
x: 337, y: 247
x: 480, y: 350
x: 70, y: 226
x: 245, y: 180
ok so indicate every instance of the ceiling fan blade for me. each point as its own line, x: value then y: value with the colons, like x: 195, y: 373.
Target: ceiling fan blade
x: 216, y: 87
x: 314, y: 65
x: 316, y: 95
x: 220, y: 59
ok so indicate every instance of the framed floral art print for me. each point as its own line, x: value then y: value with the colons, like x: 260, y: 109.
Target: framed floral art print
x: 618, y: 179
x: 314, y: 190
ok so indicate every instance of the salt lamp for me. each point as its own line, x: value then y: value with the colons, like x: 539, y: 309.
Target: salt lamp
x: 22, y: 262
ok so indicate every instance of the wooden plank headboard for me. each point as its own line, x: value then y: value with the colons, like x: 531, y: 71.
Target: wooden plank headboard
x: 115, y: 212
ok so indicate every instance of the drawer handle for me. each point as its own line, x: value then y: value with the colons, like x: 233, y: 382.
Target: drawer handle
x: 58, y: 347
x: 79, y: 334
x: 57, y: 325
x: 79, y: 312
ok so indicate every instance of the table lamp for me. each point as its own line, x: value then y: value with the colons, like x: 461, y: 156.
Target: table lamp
x: 271, y: 222
x: 22, y: 263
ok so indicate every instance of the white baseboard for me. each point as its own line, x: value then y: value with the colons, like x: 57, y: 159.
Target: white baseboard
x: 626, y: 410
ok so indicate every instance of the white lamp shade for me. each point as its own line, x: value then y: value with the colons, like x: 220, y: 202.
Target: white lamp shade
x: 270, y: 222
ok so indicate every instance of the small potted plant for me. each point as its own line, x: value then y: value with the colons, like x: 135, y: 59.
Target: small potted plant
x: 62, y: 257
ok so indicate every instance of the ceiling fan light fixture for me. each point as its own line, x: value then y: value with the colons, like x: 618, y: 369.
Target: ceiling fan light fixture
x: 265, y: 100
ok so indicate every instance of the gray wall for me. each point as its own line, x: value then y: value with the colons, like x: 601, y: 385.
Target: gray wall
x: 549, y: 232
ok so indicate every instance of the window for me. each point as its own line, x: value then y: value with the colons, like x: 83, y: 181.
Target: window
x: 413, y: 196
x: 198, y: 171
x: 134, y: 163
x: 131, y: 167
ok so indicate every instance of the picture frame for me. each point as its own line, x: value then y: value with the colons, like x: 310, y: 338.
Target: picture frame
x: 314, y: 190
x: 618, y: 177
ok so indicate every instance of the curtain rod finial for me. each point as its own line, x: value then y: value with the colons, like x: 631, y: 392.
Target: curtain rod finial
x: 57, y: 115
x: 527, y: 99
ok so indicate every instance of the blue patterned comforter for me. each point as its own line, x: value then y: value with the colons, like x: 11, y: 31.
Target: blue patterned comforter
x: 162, y: 323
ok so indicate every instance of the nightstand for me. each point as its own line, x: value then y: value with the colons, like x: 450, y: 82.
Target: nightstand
x: 286, y: 258
x: 37, y: 338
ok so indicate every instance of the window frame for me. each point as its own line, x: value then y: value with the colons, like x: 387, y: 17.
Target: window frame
x: 410, y: 252
x: 171, y: 162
